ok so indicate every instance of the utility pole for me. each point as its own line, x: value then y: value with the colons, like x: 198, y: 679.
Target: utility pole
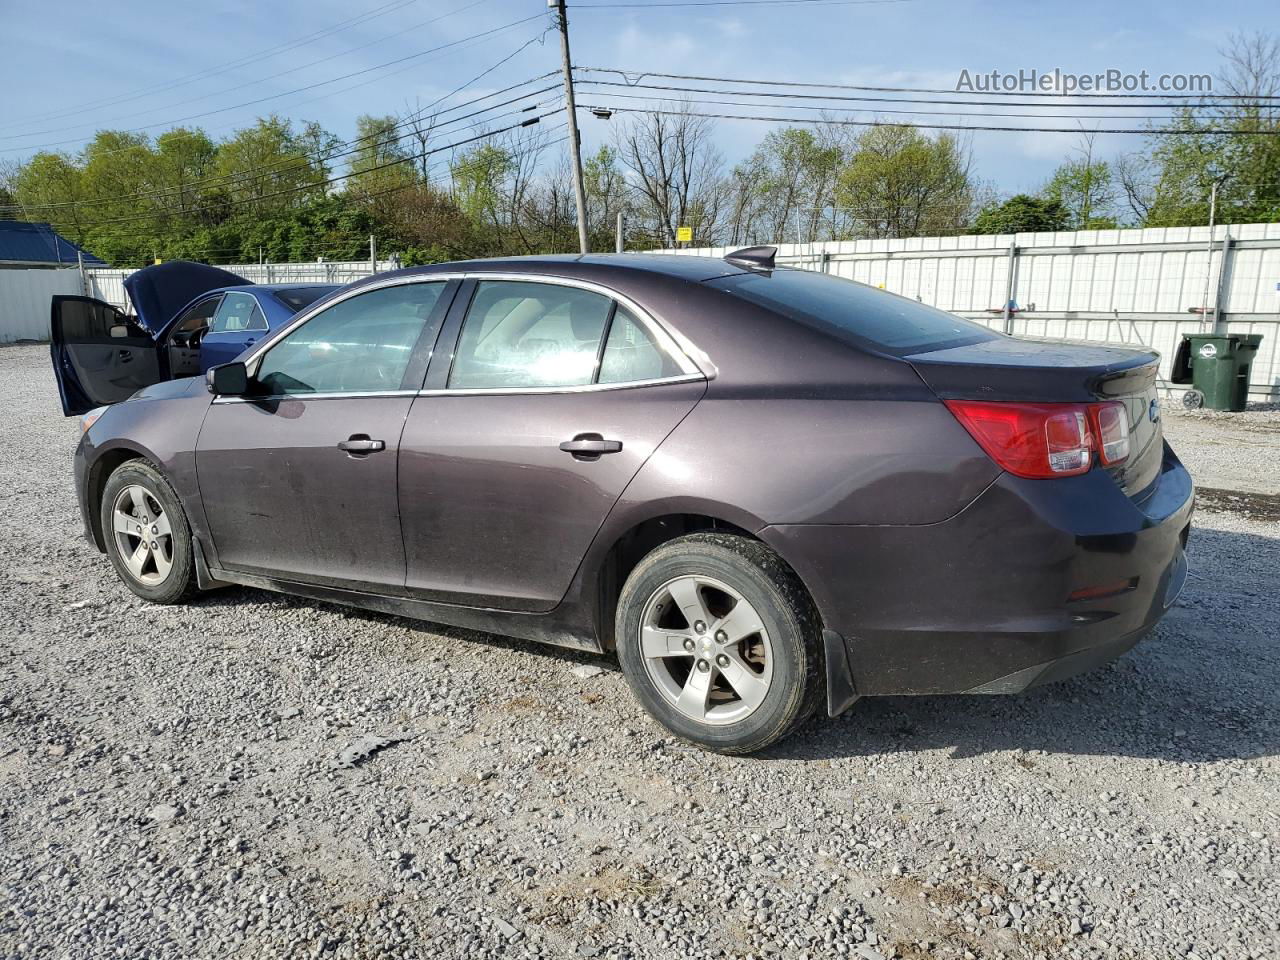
x: 1208, y: 253
x: 373, y: 255
x: 575, y: 142
x: 621, y: 223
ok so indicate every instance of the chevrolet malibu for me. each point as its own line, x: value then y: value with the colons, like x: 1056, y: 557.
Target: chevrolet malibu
x: 765, y: 491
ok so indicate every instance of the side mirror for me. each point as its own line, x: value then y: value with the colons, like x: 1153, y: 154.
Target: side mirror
x: 119, y: 331
x: 227, y: 380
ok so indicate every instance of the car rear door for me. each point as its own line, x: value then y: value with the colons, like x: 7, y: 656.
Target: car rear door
x: 298, y: 479
x: 100, y: 356
x: 528, y: 432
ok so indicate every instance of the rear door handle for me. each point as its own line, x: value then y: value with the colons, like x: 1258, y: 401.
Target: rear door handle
x: 361, y: 444
x: 590, y: 446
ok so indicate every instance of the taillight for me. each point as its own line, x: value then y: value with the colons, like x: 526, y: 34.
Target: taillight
x: 1111, y: 428
x: 1045, y: 439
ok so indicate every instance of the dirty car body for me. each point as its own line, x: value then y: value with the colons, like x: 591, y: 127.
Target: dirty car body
x: 878, y: 447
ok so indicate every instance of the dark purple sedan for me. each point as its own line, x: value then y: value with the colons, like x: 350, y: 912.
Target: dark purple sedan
x: 764, y: 490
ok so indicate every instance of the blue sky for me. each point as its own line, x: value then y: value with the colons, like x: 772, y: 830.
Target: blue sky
x: 57, y: 73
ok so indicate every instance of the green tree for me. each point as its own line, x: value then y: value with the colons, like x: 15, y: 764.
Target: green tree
x: 1022, y: 214
x: 380, y: 161
x: 268, y: 168
x: 901, y: 182
x: 49, y: 187
x: 1085, y: 188
x: 785, y: 188
x: 606, y: 191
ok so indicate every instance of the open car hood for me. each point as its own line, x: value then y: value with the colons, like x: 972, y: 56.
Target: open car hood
x: 160, y: 291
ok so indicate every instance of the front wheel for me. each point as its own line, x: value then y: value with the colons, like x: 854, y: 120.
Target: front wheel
x: 720, y: 642
x: 146, y: 533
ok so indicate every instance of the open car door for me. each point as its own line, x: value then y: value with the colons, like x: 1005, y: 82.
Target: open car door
x: 100, y: 355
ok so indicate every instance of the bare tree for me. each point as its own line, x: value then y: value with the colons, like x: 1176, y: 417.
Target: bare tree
x: 677, y: 174
x: 1252, y: 70
x: 421, y: 126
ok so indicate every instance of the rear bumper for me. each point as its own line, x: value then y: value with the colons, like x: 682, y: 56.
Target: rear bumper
x: 982, y: 602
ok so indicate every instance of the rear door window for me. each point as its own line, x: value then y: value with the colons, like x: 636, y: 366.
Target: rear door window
x: 238, y: 313
x: 630, y: 353
x: 527, y: 334
x: 855, y: 312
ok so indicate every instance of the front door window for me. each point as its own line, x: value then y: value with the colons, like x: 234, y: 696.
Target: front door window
x: 359, y: 345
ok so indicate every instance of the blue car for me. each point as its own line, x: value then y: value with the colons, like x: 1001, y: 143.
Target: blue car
x: 189, y: 317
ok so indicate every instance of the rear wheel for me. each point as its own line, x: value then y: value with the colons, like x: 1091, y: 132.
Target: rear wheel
x: 720, y: 642
x: 147, y: 536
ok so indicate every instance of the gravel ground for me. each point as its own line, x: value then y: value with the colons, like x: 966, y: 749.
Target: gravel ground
x: 171, y: 779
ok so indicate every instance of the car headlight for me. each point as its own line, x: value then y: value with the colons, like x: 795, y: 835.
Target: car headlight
x: 89, y: 419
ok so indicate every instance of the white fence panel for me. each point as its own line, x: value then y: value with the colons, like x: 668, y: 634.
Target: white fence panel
x: 24, y: 301
x: 1134, y: 287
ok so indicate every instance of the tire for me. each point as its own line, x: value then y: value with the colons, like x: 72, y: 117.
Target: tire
x: 166, y: 572
x: 724, y: 710
x: 1193, y: 399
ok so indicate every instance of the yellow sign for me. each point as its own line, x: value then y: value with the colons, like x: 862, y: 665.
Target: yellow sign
x: 158, y: 260
x: 684, y: 234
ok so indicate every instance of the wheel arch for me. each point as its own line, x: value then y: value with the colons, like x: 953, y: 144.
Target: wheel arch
x: 107, y: 463
x: 627, y: 547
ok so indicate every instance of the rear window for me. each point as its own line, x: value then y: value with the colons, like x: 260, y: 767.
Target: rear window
x: 873, y: 318
x: 295, y: 298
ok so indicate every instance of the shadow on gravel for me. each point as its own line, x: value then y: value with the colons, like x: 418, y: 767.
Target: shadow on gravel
x: 1200, y: 688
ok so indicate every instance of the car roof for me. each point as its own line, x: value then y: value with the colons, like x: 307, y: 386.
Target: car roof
x: 694, y: 269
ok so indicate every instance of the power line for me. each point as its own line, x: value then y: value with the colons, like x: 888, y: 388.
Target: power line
x: 926, y: 113
x: 310, y: 86
x: 1155, y: 131
x: 912, y: 100
x: 265, y: 54
x: 331, y: 180
x: 641, y: 74
x: 251, y: 83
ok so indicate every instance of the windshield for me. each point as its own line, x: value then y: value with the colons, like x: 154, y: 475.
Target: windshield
x: 295, y: 298
x: 882, y: 321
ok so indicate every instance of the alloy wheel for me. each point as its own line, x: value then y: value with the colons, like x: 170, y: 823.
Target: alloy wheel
x: 142, y: 534
x: 706, y: 649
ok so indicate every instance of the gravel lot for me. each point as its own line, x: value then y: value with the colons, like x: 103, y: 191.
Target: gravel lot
x: 170, y: 787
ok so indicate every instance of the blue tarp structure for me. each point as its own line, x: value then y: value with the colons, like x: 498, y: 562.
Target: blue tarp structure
x: 36, y: 244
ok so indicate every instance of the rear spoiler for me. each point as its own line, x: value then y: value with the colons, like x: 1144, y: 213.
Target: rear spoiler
x: 755, y: 258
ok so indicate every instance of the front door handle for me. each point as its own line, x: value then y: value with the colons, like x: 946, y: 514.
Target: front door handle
x: 590, y: 446
x: 360, y: 445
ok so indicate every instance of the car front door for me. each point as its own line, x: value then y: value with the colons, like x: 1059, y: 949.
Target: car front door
x: 513, y: 457
x: 100, y: 356
x: 237, y: 326
x: 298, y: 478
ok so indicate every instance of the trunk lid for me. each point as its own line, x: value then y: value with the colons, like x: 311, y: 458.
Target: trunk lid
x: 160, y: 291
x: 1035, y: 371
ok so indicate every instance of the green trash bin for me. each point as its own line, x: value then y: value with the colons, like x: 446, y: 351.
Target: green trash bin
x: 1217, y: 366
